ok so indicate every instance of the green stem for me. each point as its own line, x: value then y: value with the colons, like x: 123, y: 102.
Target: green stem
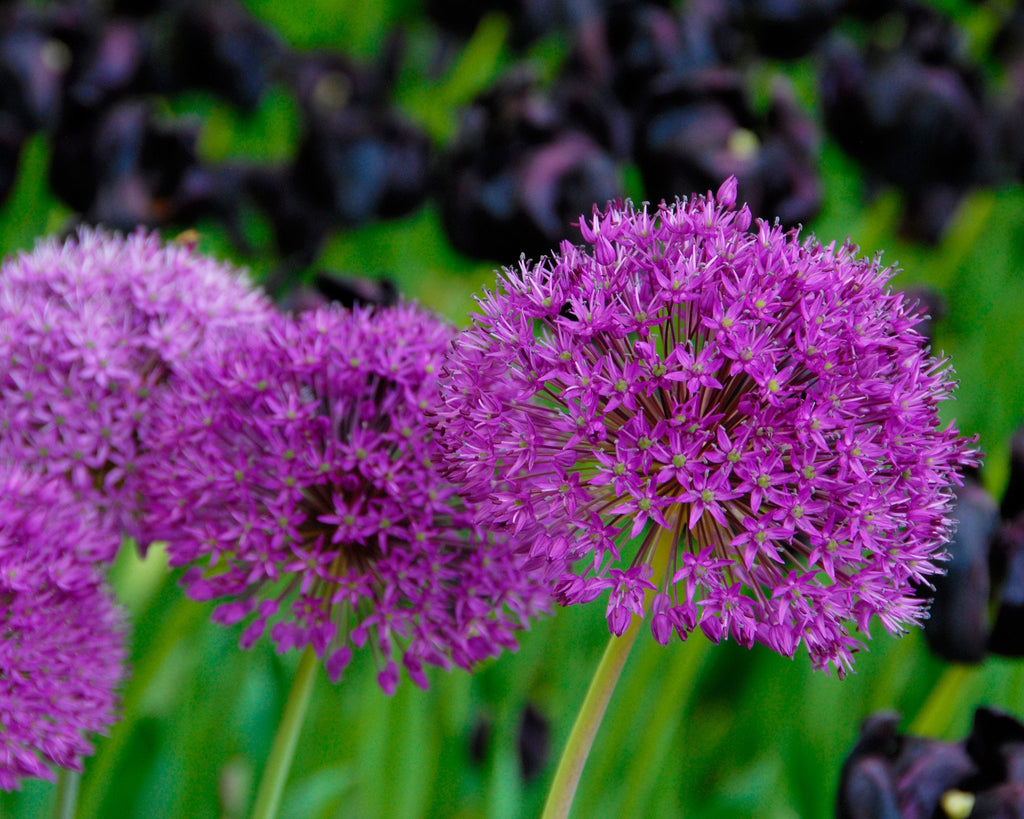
x: 66, y: 795
x: 588, y: 720
x: 933, y: 719
x: 268, y: 797
x: 577, y: 749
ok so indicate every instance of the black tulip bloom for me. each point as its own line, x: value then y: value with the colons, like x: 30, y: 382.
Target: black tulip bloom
x: 1008, y: 53
x: 358, y: 158
x: 300, y: 227
x: 115, y: 63
x: 958, y: 628
x: 534, y: 741
x: 347, y: 290
x: 889, y: 775
x: 519, y: 172
x: 788, y: 29
x: 124, y: 166
x: 359, y: 164
x: 699, y: 127
x: 978, y: 607
x: 34, y: 62
x: 916, y: 117
x: 629, y: 45
x: 12, y: 138
x: 220, y: 47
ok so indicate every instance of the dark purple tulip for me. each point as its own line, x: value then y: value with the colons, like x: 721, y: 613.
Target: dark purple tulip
x: 1008, y: 560
x: 958, y: 628
x: 631, y: 44
x: 1008, y: 51
x: 916, y: 117
x: 1007, y: 636
x: 985, y: 573
x: 33, y: 65
x: 787, y: 29
x: 12, y: 137
x: 699, y: 128
x: 889, y: 774
x: 123, y: 167
x: 325, y: 83
x: 360, y: 163
x: 892, y: 775
x: 534, y: 742
x: 1012, y: 504
x: 595, y: 112
x: 220, y: 47
x: 114, y: 64
x: 348, y: 291
x: 519, y: 173
x: 300, y: 227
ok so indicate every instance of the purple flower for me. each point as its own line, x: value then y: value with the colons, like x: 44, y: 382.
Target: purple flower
x: 299, y: 479
x: 91, y: 329
x: 758, y: 406
x: 62, y: 654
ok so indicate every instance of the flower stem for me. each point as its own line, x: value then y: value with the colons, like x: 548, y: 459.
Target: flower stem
x: 66, y: 795
x: 588, y: 720
x: 933, y: 718
x: 268, y: 797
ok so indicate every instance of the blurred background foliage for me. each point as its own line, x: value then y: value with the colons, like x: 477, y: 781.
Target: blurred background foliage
x: 693, y: 730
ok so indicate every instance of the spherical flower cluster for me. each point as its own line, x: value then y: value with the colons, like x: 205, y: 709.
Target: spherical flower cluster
x: 752, y: 414
x: 90, y: 329
x: 298, y: 476
x: 62, y: 649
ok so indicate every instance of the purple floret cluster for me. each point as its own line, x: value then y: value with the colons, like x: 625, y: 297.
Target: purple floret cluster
x: 62, y: 637
x: 297, y: 474
x: 714, y: 395
x: 90, y: 330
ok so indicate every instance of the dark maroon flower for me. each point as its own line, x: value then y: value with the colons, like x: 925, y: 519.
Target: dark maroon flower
x: 518, y: 171
x: 359, y: 163
x: 699, y: 127
x: 958, y: 627
x: 917, y: 117
x: 978, y: 607
x: 889, y: 775
x: 125, y: 165
x: 787, y: 29
x: 221, y: 47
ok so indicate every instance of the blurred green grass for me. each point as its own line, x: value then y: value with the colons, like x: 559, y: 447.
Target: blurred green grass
x: 693, y: 730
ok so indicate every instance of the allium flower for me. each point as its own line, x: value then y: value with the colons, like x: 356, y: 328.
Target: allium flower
x: 90, y: 330
x: 299, y: 478
x: 61, y: 636
x: 758, y: 411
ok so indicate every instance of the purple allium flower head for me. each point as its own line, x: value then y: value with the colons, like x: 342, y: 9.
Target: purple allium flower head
x: 90, y: 330
x: 299, y: 478
x: 756, y: 409
x: 62, y: 650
